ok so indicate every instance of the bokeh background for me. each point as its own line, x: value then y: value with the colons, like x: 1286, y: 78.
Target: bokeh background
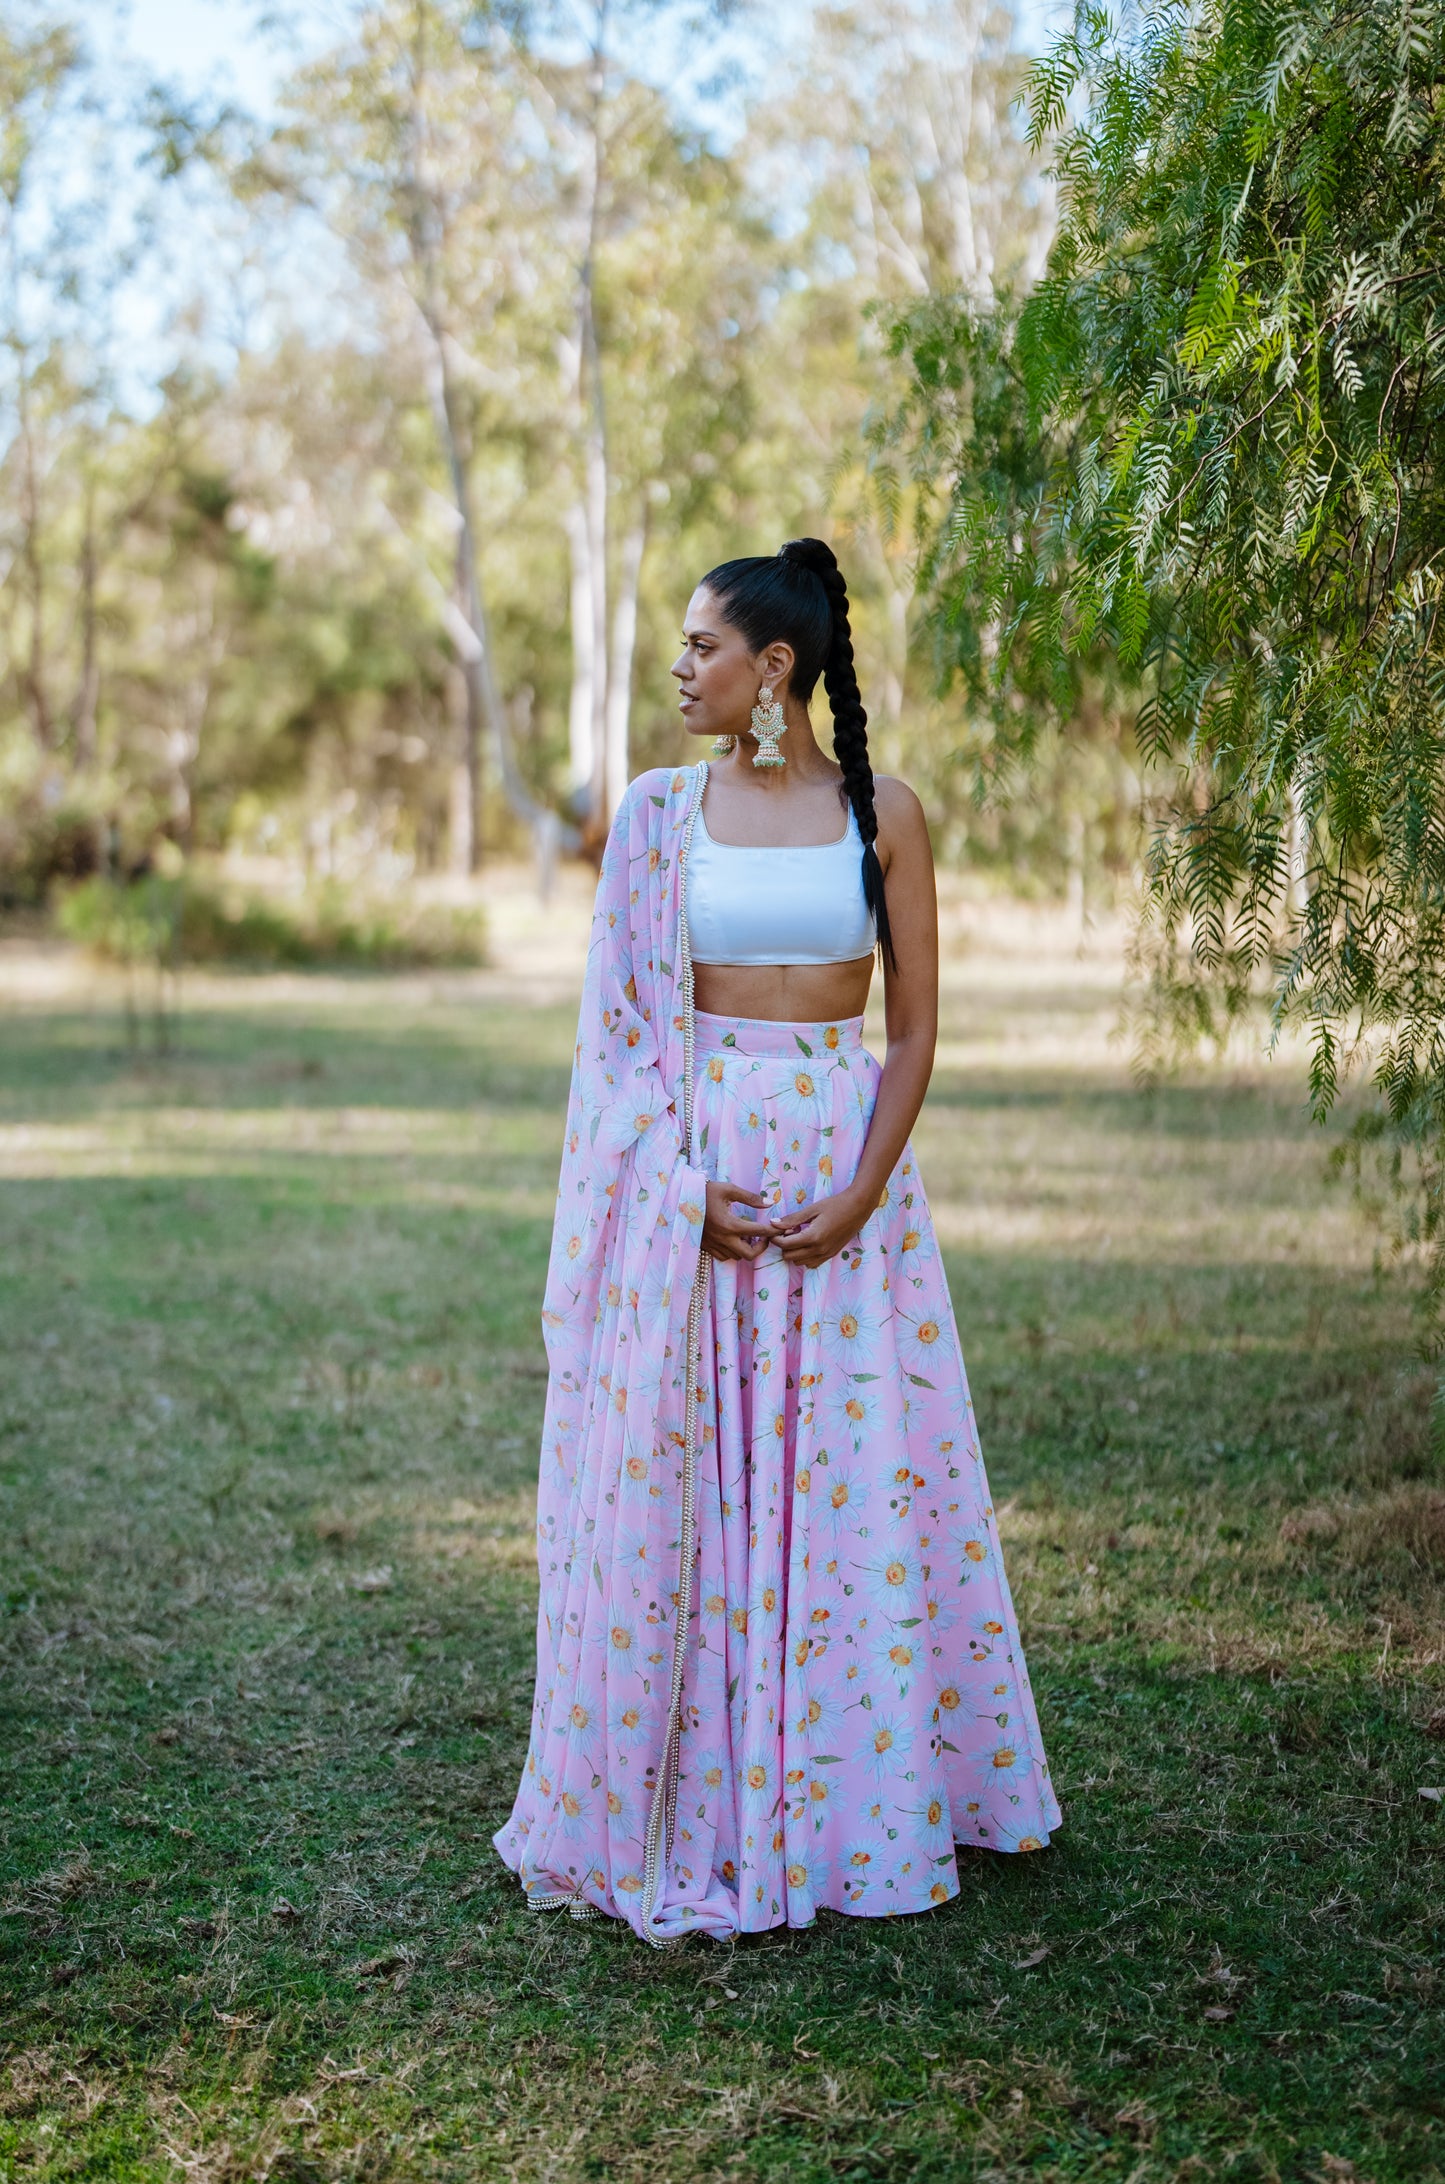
x: 375, y: 382
x: 378, y: 382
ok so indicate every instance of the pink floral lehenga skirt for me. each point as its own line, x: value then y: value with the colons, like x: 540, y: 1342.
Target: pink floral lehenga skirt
x: 854, y: 1697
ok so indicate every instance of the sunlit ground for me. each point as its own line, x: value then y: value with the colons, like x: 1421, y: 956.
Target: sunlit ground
x: 269, y: 1401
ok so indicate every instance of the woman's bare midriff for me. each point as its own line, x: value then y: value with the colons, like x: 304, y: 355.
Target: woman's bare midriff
x: 784, y: 993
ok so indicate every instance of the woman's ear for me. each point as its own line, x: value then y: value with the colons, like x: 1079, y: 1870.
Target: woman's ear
x: 778, y: 665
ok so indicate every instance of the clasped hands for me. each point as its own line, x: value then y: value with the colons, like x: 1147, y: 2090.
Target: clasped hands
x: 809, y: 1236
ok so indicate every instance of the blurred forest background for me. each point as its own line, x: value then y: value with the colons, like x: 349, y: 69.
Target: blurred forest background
x: 366, y: 565
x: 361, y: 439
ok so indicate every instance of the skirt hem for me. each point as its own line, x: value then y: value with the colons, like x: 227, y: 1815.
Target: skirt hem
x: 583, y: 1903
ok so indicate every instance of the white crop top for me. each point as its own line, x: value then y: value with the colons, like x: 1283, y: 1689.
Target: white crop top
x: 802, y: 904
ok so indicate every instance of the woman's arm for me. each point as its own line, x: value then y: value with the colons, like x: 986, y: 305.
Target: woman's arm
x: 817, y: 1233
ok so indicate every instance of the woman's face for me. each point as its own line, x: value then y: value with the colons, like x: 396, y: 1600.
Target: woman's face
x: 718, y: 677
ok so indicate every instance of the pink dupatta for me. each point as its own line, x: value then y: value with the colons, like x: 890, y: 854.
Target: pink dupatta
x: 616, y: 1520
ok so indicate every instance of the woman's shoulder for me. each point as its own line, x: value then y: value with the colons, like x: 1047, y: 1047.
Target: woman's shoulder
x: 662, y: 781
x: 660, y: 787
x: 896, y: 804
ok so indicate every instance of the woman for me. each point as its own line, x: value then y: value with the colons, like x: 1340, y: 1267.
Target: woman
x: 778, y: 1665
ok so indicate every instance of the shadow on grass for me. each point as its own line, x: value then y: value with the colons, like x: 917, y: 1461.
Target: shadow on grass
x: 76, y: 1062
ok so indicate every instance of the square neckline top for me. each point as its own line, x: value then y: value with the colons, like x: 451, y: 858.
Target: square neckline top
x: 751, y: 905
x: 850, y: 827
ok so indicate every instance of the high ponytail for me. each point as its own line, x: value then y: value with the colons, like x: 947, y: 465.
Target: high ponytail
x: 799, y: 594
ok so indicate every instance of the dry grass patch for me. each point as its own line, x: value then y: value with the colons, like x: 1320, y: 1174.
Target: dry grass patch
x: 496, y: 1535
x: 1405, y: 1526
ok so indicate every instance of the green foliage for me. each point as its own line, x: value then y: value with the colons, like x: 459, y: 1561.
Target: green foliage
x: 167, y: 921
x: 49, y: 829
x: 1210, y: 447
x: 130, y: 923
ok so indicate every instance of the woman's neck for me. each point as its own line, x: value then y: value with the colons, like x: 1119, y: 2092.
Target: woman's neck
x: 807, y: 764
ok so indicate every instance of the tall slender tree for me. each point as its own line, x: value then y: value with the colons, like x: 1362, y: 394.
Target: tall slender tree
x: 410, y: 143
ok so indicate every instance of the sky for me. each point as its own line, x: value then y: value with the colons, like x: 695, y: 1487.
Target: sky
x: 239, y: 47
x: 218, y: 44
x: 207, y: 44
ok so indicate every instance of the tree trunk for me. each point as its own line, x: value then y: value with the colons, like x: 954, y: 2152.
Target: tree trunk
x: 1075, y: 898
x: 595, y: 517
x: 195, y: 693
x: 617, y: 770
x: 87, y: 695
x: 473, y: 695
x: 895, y: 660
x: 580, y: 725
x: 594, y: 427
x: 461, y: 802
x: 469, y: 620
x: 465, y: 616
x: 1297, y: 855
x: 34, y: 674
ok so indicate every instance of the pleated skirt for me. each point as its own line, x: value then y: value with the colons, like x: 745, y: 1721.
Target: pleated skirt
x: 855, y: 1699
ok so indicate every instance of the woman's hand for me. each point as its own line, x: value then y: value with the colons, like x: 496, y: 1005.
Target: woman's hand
x: 729, y: 1235
x: 817, y: 1233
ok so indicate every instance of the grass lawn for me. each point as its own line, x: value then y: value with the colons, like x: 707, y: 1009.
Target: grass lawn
x: 270, y: 1391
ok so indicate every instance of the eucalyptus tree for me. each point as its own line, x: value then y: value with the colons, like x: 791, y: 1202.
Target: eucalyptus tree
x: 514, y: 212
x: 667, y: 268
x: 903, y: 120
x: 900, y: 141
x: 418, y: 144
x: 72, y: 243
x: 677, y: 293
x: 38, y: 65
x: 1212, y: 443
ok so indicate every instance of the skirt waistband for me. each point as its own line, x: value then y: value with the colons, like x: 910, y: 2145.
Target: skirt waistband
x: 764, y: 1035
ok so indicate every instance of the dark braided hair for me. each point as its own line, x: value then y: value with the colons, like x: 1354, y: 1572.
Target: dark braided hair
x: 799, y: 594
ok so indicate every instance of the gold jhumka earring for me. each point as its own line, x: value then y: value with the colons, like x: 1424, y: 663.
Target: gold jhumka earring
x: 721, y: 745
x: 768, y: 725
